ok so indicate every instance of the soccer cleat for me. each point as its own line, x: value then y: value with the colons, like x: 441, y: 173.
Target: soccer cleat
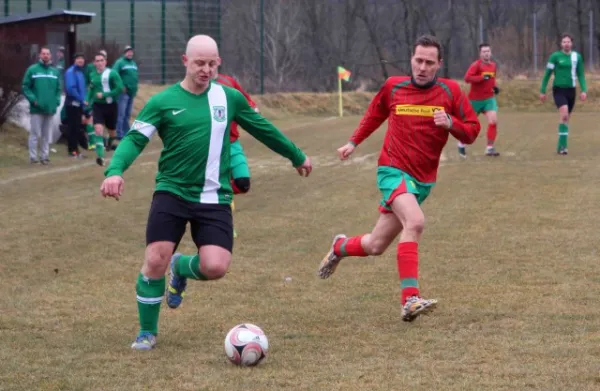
x: 144, y: 341
x: 100, y: 161
x: 462, y: 152
x: 416, y: 306
x: 177, y: 284
x: 491, y: 151
x: 91, y: 147
x: 562, y: 151
x: 331, y: 261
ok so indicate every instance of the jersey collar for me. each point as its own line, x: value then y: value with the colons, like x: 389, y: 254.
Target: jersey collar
x: 423, y: 87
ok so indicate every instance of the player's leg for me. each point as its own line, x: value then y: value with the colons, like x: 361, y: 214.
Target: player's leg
x: 491, y: 113
x: 561, y: 100
x: 112, y: 114
x: 387, y: 228
x: 477, y: 107
x: 212, y: 232
x: 88, y: 123
x: 99, y: 115
x: 165, y: 228
x: 406, y: 208
x: 376, y: 242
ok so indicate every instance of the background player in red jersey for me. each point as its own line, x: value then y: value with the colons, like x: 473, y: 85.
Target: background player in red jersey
x: 482, y: 77
x: 240, y: 171
x: 422, y: 111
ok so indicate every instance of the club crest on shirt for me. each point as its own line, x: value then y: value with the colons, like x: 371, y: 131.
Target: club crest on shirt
x: 417, y: 110
x: 219, y: 113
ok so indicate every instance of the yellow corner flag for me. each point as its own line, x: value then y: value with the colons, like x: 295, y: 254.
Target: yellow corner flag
x: 343, y: 74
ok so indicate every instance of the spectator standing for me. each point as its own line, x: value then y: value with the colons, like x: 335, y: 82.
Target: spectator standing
x: 128, y: 70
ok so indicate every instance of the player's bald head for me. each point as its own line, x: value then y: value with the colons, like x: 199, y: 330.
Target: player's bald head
x: 202, y: 46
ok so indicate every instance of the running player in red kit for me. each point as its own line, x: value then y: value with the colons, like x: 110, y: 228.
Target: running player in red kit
x: 422, y: 112
x: 482, y: 77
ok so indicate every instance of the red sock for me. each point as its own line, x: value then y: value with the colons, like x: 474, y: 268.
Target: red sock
x: 235, y: 188
x: 491, y: 134
x: 349, y: 247
x: 408, y: 269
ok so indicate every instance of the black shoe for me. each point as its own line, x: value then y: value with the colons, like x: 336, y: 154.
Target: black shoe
x: 562, y: 151
x: 34, y: 161
x: 45, y: 162
x: 100, y: 161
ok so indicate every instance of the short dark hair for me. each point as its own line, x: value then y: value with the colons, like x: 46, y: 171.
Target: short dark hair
x: 77, y: 55
x: 566, y: 35
x: 484, y: 45
x: 44, y: 47
x: 100, y: 54
x: 428, y: 41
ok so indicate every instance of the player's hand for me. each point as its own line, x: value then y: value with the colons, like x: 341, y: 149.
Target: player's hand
x: 257, y: 110
x: 486, y: 77
x: 305, y: 168
x: 543, y: 97
x: 583, y: 96
x: 440, y: 118
x: 496, y: 90
x: 113, y: 186
x: 345, y: 151
x: 99, y: 95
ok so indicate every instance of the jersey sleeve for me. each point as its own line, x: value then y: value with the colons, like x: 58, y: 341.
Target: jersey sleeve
x: 472, y: 75
x: 377, y: 112
x: 264, y: 131
x: 465, y: 126
x: 581, y: 73
x: 549, y: 69
x: 132, y: 145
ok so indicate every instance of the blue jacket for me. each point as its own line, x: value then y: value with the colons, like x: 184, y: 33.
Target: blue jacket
x: 75, y: 84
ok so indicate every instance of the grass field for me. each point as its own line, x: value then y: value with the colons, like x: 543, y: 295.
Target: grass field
x: 508, y: 250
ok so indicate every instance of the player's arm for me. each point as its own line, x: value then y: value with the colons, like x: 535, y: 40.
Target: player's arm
x: 377, y: 112
x: 472, y: 75
x: 549, y: 69
x: 264, y: 131
x: 27, y: 85
x: 464, y: 124
x: 132, y: 145
x: 581, y: 73
x: 116, y: 84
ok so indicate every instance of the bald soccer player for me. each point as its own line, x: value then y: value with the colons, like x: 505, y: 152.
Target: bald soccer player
x: 193, y: 120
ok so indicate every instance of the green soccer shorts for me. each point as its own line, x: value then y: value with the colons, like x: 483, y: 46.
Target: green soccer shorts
x: 481, y: 106
x: 238, y: 161
x: 392, y: 182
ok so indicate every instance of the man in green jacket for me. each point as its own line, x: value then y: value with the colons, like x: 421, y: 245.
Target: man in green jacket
x: 128, y: 71
x: 42, y: 89
x: 104, y: 89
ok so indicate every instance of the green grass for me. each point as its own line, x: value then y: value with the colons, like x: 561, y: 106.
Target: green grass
x: 508, y: 249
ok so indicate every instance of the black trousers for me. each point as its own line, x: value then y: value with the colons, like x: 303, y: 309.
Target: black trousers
x: 75, y: 135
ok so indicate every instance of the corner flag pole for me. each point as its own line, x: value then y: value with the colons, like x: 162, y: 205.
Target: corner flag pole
x: 341, y: 105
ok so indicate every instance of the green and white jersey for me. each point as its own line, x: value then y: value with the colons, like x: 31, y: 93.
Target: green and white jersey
x: 194, y: 129
x: 108, y: 82
x: 567, y: 69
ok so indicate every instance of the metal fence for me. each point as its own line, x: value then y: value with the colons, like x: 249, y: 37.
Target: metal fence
x: 157, y: 29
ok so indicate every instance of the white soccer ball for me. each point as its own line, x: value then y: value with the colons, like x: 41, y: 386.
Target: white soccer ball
x: 246, y: 345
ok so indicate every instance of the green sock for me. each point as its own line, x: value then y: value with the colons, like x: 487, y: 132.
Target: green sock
x: 149, y: 296
x: 99, y: 145
x: 563, y: 134
x: 189, y: 266
x: 89, y: 129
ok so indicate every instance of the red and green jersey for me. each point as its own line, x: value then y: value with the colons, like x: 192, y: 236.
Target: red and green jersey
x: 482, y: 77
x: 231, y: 82
x: 194, y: 129
x: 413, y: 143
